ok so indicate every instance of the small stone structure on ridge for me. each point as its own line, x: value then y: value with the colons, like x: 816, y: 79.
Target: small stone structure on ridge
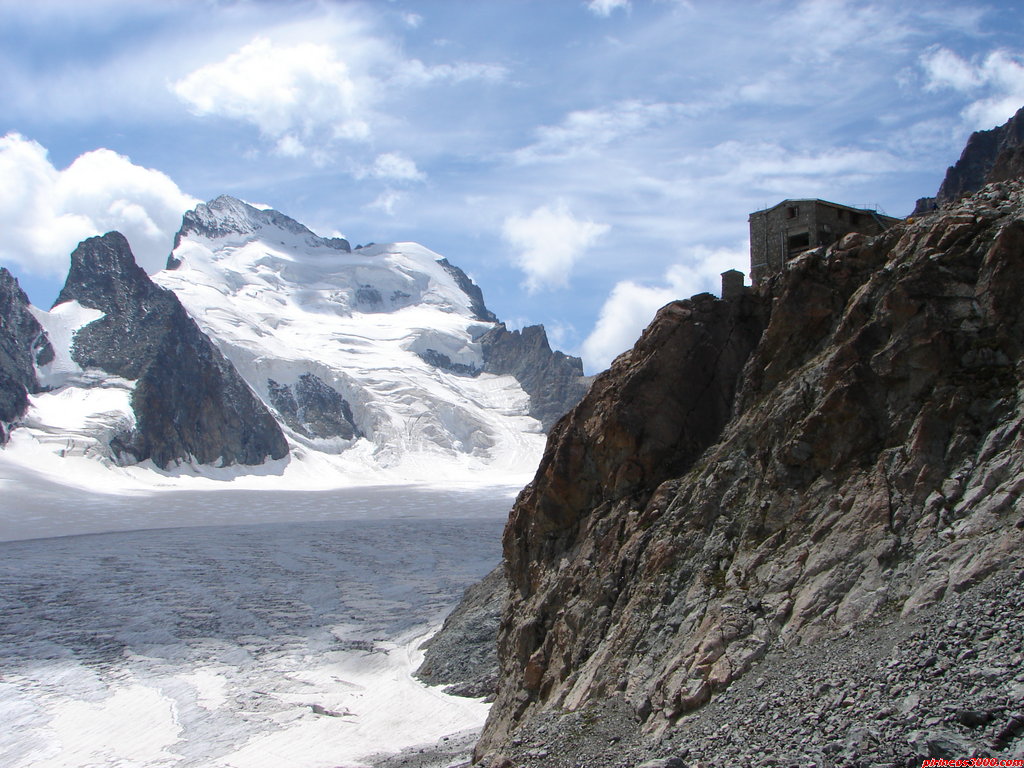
x: 732, y: 284
x: 779, y: 233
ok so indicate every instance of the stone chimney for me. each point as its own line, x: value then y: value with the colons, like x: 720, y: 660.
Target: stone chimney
x: 732, y: 284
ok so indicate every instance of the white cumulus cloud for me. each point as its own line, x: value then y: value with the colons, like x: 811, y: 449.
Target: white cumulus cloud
x: 605, y: 7
x: 415, y: 72
x: 46, y: 212
x: 393, y: 166
x: 549, y: 241
x: 631, y: 306
x: 386, y: 201
x: 997, y: 80
x: 295, y: 94
x: 591, y: 129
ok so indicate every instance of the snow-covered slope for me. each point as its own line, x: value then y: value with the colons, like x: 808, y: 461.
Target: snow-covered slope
x: 380, y: 364
x: 305, y: 319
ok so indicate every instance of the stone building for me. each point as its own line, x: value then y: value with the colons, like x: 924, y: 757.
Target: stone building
x: 732, y: 284
x: 779, y: 233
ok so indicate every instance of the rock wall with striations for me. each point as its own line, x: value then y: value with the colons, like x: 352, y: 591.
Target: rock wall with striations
x: 723, y: 493
x: 992, y: 155
x: 23, y: 346
x: 189, y: 401
x: 553, y: 380
x: 463, y: 655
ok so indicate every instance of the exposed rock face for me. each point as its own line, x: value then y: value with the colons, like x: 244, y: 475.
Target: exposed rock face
x: 313, y: 408
x: 189, y: 401
x: 464, y: 654
x: 721, y: 492
x: 227, y: 215
x: 944, y: 683
x: 23, y: 346
x: 553, y: 380
x: 993, y: 155
x: 445, y: 363
x: 471, y: 289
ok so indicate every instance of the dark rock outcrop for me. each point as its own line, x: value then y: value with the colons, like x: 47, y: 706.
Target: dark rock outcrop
x: 553, y: 380
x: 189, y: 401
x: 472, y: 290
x: 227, y: 215
x: 722, y: 494
x: 464, y: 656
x: 313, y: 408
x: 992, y: 155
x: 23, y: 346
x: 445, y: 363
x: 925, y: 205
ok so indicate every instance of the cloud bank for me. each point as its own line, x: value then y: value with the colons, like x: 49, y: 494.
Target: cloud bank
x: 549, y: 241
x: 997, y: 79
x: 631, y: 306
x: 296, y: 95
x: 46, y: 212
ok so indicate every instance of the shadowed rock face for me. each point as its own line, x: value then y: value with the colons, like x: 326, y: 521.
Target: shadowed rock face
x: 23, y: 345
x: 189, y: 401
x: 553, y: 380
x: 993, y: 155
x: 723, y: 491
x: 313, y: 408
x: 463, y: 655
x: 471, y: 289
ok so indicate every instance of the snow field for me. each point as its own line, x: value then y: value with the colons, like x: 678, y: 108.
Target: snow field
x: 242, y: 646
x: 279, y: 307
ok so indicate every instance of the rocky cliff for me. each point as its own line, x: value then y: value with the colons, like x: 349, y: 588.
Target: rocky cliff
x: 463, y: 655
x: 764, y: 476
x: 189, y: 401
x: 23, y: 346
x: 553, y: 380
x: 993, y: 155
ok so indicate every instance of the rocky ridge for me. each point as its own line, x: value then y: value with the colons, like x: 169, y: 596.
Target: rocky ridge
x: 471, y: 289
x: 226, y: 215
x: 189, y: 402
x: 870, y: 465
x: 23, y: 346
x: 464, y: 654
x: 993, y: 155
x: 945, y: 683
x: 553, y: 380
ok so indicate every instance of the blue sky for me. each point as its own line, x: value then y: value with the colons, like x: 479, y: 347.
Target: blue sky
x: 585, y: 162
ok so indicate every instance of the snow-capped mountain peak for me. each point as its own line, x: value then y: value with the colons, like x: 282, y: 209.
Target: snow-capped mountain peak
x: 380, y: 363
x: 390, y: 336
x: 228, y: 217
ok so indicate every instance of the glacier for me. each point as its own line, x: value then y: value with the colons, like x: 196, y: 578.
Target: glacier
x: 224, y: 614
x: 370, y: 359
x: 253, y: 641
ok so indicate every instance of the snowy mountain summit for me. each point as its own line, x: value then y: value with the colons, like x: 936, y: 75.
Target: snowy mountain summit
x: 228, y: 216
x: 378, y: 363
